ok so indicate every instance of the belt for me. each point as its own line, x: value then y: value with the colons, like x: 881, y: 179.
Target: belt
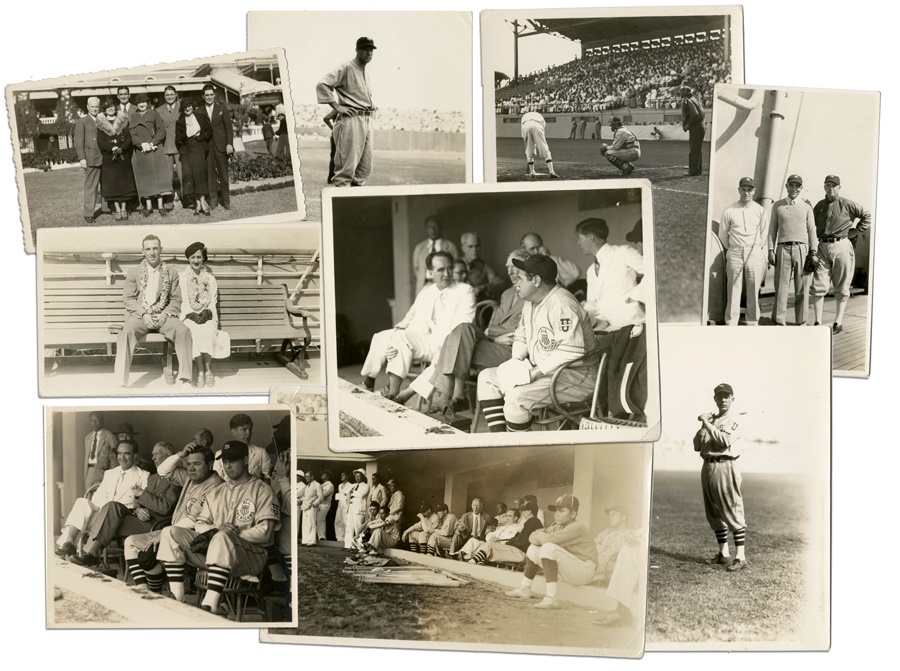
x: 791, y: 244
x: 361, y: 112
x: 832, y: 239
x: 716, y: 460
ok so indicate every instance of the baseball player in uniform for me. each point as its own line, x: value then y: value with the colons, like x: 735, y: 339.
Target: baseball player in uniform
x: 347, y: 91
x: 565, y: 550
x: 197, y: 480
x: 838, y: 222
x: 625, y: 148
x: 718, y: 442
x: 742, y: 232
x: 417, y: 535
x: 554, y: 330
x: 792, y: 235
x: 236, y: 523
x: 533, y: 127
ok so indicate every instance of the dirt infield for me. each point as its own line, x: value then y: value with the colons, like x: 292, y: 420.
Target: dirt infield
x: 679, y: 209
x: 691, y: 601
x: 334, y: 604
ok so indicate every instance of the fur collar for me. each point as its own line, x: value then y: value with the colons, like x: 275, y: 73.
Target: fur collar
x: 117, y: 126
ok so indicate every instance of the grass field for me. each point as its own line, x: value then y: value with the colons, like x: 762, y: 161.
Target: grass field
x: 690, y: 601
x: 390, y: 168
x: 679, y: 209
x: 334, y: 604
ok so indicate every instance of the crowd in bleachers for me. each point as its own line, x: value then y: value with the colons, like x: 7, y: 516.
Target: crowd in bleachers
x: 648, y: 78
x: 391, y: 118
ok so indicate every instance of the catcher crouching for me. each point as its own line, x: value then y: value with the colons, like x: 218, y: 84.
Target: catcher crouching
x: 234, y: 528
x: 625, y: 148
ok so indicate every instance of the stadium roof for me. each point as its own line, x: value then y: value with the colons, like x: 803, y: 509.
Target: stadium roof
x: 592, y: 30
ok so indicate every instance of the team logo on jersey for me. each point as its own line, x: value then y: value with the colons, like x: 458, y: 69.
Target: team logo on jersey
x: 546, y: 340
x: 275, y: 510
x: 190, y: 503
x: 245, y: 511
x: 565, y: 324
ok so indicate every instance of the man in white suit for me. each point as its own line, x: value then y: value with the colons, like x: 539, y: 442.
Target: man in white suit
x: 438, y: 308
x: 123, y: 484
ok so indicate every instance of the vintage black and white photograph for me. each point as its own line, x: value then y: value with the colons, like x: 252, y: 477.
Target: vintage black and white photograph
x: 490, y: 315
x: 740, y: 546
x: 178, y: 143
x: 791, y: 218
x: 170, y: 517
x: 524, y: 549
x: 380, y: 98
x: 578, y: 94
x: 172, y: 310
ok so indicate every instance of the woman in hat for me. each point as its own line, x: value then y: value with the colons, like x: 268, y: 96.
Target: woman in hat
x: 199, y: 295
x: 152, y: 172
x: 114, y: 141
x: 192, y: 133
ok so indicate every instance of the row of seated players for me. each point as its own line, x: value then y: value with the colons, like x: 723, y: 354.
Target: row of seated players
x: 537, y: 327
x: 518, y: 536
x: 222, y: 513
x: 647, y: 78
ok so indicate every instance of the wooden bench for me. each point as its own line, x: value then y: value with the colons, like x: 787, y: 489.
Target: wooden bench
x: 85, y: 309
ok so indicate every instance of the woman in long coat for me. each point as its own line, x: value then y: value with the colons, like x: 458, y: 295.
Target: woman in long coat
x: 192, y: 133
x: 116, y: 175
x: 152, y: 172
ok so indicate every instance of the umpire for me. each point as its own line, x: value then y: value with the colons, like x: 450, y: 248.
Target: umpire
x: 718, y: 442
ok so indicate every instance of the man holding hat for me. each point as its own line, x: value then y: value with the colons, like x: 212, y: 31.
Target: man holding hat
x: 718, y: 442
x: 838, y: 222
x: 312, y: 497
x: 236, y: 523
x: 742, y: 232
x: 792, y: 235
x: 692, y: 124
x: 564, y: 550
x: 624, y: 149
x: 554, y: 330
x: 347, y: 91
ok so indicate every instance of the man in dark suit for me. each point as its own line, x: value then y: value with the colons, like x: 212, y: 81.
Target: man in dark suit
x: 152, y: 296
x: 473, y: 524
x: 89, y: 157
x: 123, y: 93
x: 220, y: 147
x: 168, y: 112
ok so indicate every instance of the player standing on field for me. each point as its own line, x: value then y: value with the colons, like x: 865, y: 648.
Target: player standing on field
x: 533, y: 125
x: 718, y: 442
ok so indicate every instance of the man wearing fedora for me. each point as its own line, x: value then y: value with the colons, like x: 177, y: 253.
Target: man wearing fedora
x: 347, y: 91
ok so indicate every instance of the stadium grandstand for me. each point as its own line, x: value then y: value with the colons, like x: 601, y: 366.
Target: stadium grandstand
x: 634, y: 63
x: 308, y: 120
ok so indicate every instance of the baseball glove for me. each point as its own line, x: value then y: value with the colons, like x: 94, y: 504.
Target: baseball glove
x: 201, y: 542
x: 809, y: 265
x: 603, y: 149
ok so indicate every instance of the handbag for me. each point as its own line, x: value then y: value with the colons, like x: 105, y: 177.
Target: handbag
x: 222, y: 345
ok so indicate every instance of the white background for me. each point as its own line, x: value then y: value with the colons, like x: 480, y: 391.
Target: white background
x: 803, y: 44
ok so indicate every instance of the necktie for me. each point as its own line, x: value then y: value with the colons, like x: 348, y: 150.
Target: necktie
x: 596, y: 268
x: 93, y: 454
x: 477, y: 526
x: 431, y: 247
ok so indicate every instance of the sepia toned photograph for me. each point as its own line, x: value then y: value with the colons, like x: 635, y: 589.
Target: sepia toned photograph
x: 380, y: 98
x: 577, y: 94
x: 165, y: 310
x: 791, y: 218
x: 740, y: 545
x: 490, y: 315
x: 169, y: 517
x: 178, y: 143
x: 539, y: 550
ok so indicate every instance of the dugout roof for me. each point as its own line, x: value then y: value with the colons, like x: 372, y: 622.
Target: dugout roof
x: 588, y: 30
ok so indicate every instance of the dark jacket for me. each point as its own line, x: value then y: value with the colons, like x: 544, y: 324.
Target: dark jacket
x: 181, y: 137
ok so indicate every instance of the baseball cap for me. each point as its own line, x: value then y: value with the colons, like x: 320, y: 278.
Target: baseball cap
x: 622, y: 510
x: 687, y: 91
x: 233, y: 449
x: 636, y: 234
x: 565, y: 501
x: 795, y: 178
x: 833, y: 178
x: 616, y: 119
x: 538, y: 264
x: 723, y: 388
x: 747, y: 181
x: 365, y: 43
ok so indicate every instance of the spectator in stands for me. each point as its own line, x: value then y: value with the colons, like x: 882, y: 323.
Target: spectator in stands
x: 418, y: 534
x: 568, y: 271
x: 611, y: 279
x: 472, y: 524
x: 437, y: 309
x: 260, y: 464
x: 434, y: 243
x: 487, y: 284
x: 564, y: 550
x: 442, y: 536
x: 511, y: 551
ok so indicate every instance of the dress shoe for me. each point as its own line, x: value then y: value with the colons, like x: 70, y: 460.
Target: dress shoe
x: 88, y: 561
x: 66, y: 549
x: 836, y: 328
